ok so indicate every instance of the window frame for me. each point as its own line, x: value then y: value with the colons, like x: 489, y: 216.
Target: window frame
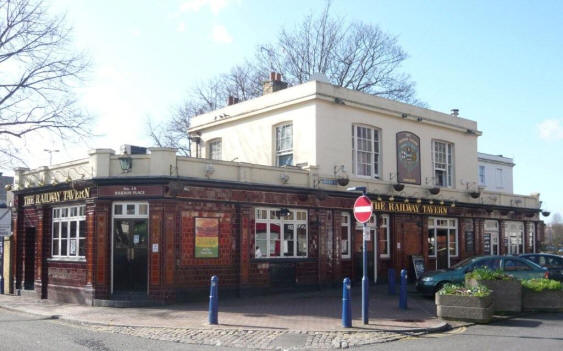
x: 531, y: 237
x: 448, y: 227
x: 281, y: 222
x: 482, y: 177
x: 278, y: 144
x: 449, y: 162
x: 386, y: 229
x: 210, y: 151
x: 499, y: 175
x: 348, y: 225
x: 77, y: 219
x: 376, y: 158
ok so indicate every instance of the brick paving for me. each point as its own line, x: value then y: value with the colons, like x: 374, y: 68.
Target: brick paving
x: 285, y: 322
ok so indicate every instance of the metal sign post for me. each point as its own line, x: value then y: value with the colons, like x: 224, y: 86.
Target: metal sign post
x: 362, y: 212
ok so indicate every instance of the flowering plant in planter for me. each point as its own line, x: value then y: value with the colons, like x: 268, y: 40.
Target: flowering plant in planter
x: 542, y: 295
x: 453, y: 289
x: 507, y: 290
x: 461, y: 303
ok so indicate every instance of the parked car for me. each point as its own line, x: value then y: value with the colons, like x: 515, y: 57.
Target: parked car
x: 518, y: 267
x: 553, y: 263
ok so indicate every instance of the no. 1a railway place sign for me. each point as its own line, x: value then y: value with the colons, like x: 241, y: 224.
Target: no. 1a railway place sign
x: 362, y: 209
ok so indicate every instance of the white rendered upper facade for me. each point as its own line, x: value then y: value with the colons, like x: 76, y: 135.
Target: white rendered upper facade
x: 342, y: 131
x: 495, y: 173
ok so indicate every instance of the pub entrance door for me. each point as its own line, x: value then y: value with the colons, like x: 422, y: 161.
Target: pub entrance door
x: 29, y: 268
x: 442, y: 254
x: 130, y: 248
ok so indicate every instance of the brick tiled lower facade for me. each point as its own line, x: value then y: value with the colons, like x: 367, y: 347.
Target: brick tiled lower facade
x: 173, y: 271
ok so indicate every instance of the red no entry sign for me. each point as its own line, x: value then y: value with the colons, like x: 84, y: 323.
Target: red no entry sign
x: 362, y: 209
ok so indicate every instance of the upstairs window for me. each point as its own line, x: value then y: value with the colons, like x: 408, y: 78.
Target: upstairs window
x: 214, y: 147
x: 284, y: 145
x: 443, y: 161
x: 482, y: 175
x: 366, y: 146
x: 500, y: 184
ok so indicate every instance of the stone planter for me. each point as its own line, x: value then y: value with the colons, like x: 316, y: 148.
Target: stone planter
x: 465, y: 308
x: 547, y: 300
x: 507, y: 294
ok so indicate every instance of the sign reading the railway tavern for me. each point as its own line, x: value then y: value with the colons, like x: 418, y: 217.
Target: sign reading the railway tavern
x: 56, y: 196
x: 401, y: 207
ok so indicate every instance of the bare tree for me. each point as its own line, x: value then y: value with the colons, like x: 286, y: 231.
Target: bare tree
x: 242, y: 82
x: 37, y: 74
x: 355, y: 56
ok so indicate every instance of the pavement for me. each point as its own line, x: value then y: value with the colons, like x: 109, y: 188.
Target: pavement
x: 308, y: 320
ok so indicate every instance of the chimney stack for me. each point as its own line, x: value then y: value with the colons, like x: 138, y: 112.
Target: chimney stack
x: 455, y: 112
x: 274, y: 84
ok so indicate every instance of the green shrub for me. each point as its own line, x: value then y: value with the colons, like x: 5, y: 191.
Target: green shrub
x: 485, y: 273
x: 541, y: 284
x: 453, y: 289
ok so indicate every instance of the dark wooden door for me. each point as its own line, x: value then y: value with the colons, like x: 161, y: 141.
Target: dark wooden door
x: 130, y: 255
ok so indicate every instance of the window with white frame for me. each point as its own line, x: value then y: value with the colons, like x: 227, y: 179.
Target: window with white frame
x: 531, y: 237
x: 443, y: 161
x: 366, y: 151
x: 69, y: 232
x: 214, y: 147
x: 500, y: 182
x: 442, y: 232
x: 280, y: 236
x: 385, y: 239
x: 284, y: 145
x: 482, y: 175
x: 345, y: 235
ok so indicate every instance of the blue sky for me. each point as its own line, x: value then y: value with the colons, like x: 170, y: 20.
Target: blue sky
x: 499, y: 62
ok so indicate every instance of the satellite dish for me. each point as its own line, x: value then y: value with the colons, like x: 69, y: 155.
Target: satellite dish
x: 321, y: 77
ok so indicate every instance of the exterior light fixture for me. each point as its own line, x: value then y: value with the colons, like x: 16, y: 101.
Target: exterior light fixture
x: 126, y: 163
x: 453, y: 204
x: 391, y: 198
x: 431, y: 202
x: 284, y: 212
x: 406, y: 201
x: 442, y: 202
x: 379, y: 198
x: 418, y: 201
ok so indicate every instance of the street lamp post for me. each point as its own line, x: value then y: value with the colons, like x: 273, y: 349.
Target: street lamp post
x: 50, y: 151
x: 365, y: 281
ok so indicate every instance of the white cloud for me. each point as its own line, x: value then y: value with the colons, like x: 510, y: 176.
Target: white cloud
x: 551, y: 129
x: 196, y: 5
x: 181, y: 27
x: 221, y: 35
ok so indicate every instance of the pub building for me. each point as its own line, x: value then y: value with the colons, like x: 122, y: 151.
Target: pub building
x: 263, y: 203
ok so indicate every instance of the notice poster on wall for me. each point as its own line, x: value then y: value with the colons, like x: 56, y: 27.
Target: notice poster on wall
x: 207, y: 237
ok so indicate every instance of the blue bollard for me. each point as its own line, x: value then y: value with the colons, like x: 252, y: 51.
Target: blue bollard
x: 403, y: 290
x: 346, y: 304
x: 391, y: 281
x: 213, y: 300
